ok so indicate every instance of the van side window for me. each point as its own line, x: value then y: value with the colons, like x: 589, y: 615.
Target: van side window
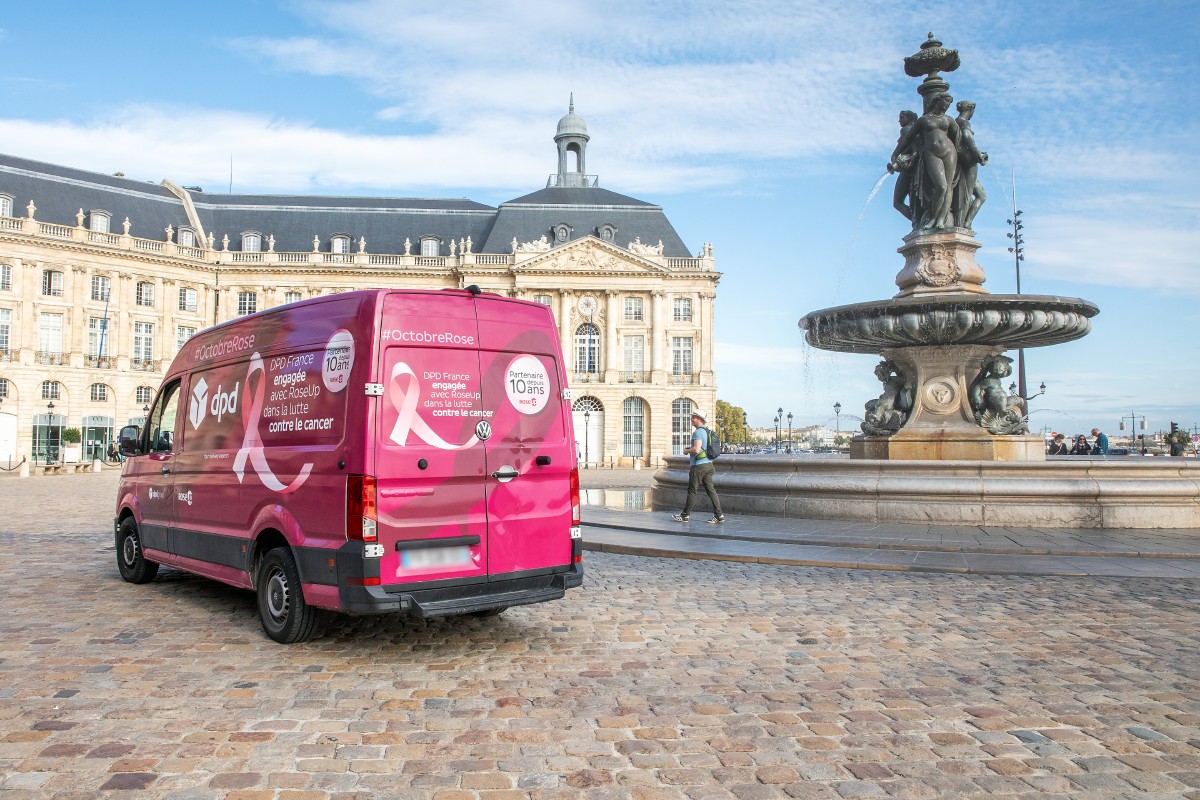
x: 162, y: 420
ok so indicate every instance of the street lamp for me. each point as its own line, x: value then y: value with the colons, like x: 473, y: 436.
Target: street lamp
x: 745, y: 433
x: 777, y: 434
x: 789, y: 431
x: 587, y: 431
x: 49, y: 424
x: 1133, y: 418
x: 837, y: 413
x: 779, y: 430
x: 1012, y: 389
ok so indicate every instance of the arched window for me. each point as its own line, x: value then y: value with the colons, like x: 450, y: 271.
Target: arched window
x: 6, y: 205
x: 587, y: 415
x: 681, y: 425
x: 50, y: 390
x: 251, y: 242
x: 3, y: 388
x: 431, y: 246
x: 186, y: 237
x: 99, y: 393
x: 635, y: 422
x: 587, y: 348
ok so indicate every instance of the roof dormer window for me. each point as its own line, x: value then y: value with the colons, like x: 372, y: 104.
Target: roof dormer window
x: 99, y: 221
x: 251, y: 242
x: 186, y: 237
x: 431, y: 246
x: 6, y: 205
x: 607, y: 231
x: 340, y: 243
x: 562, y: 232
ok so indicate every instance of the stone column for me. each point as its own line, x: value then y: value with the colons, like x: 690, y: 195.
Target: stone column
x: 564, y: 329
x: 658, y: 334
x: 707, y: 337
x: 612, y: 356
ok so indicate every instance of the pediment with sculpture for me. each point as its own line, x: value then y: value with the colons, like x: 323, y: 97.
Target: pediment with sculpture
x: 589, y: 255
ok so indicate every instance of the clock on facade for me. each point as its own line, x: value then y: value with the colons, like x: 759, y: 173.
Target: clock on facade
x: 587, y: 305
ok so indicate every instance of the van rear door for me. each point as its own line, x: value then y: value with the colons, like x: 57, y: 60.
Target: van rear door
x: 429, y: 463
x: 530, y: 452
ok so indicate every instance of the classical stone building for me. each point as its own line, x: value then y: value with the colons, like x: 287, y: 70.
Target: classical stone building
x: 103, y: 278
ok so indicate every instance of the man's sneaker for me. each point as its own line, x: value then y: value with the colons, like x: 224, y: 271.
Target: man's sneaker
x: 717, y: 520
x: 680, y: 517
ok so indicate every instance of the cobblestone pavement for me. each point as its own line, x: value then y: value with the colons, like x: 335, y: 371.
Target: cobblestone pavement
x: 659, y: 679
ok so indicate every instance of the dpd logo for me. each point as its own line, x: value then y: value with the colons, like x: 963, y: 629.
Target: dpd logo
x: 199, y: 403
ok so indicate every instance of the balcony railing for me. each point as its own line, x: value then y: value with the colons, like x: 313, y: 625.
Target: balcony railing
x: 587, y: 377
x: 144, y: 365
x: 635, y: 376
x: 685, y: 379
x: 51, y: 358
x: 5, y: 355
x: 99, y: 362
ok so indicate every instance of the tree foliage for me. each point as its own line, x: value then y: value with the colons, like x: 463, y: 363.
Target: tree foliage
x: 727, y: 419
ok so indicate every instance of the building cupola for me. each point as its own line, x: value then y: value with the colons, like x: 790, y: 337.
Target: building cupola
x: 572, y: 139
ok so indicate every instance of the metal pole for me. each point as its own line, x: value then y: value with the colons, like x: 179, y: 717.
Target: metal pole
x: 1018, y: 256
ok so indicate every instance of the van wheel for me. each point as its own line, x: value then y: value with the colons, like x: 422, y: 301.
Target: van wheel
x: 490, y: 612
x: 285, y: 616
x: 130, y: 561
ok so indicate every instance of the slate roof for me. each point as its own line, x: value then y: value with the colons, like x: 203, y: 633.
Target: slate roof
x: 59, y: 192
x: 584, y: 209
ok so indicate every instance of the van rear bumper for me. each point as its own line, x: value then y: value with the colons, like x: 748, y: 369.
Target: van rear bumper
x: 437, y: 601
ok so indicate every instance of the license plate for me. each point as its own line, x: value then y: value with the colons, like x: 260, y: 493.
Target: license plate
x: 435, y: 557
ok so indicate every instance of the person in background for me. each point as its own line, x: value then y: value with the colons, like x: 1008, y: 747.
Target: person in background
x: 701, y: 472
x: 1099, y: 443
x: 1058, y: 446
x: 1081, y: 446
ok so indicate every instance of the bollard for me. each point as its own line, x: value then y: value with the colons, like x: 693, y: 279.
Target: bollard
x: 97, y: 465
x: 24, y: 472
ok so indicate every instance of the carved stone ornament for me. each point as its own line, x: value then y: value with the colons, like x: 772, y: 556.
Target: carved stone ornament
x: 637, y: 248
x: 938, y: 267
x: 540, y: 245
x: 940, y: 395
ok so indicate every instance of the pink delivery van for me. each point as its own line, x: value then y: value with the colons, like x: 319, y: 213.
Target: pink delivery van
x: 367, y: 452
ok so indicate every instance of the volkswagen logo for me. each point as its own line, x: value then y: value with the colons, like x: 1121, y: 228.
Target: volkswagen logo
x: 483, y: 430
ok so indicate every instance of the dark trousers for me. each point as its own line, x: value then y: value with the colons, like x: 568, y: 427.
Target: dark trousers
x: 702, y: 475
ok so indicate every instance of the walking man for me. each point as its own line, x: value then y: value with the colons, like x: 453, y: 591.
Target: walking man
x: 1099, y: 443
x: 701, y: 472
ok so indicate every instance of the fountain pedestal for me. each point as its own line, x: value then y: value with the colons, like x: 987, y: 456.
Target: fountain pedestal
x: 941, y: 424
x: 940, y: 262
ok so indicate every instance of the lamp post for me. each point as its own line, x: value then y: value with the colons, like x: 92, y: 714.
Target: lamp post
x: 745, y: 434
x: 789, y: 432
x: 587, y: 433
x: 776, y: 433
x: 1133, y: 418
x: 779, y: 430
x: 837, y: 414
x: 1013, y: 390
x: 1018, y: 251
x: 49, y: 424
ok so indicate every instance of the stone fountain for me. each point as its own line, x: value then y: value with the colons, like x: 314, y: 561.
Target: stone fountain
x: 945, y: 442
x: 943, y: 335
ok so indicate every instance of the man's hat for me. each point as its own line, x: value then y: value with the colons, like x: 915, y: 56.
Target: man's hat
x: 698, y: 413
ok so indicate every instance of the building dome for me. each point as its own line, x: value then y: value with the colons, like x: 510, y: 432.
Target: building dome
x: 572, y: 124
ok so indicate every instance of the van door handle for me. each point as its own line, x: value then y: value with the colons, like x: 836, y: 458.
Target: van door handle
x: 505, y: 474
x: 166, y: 470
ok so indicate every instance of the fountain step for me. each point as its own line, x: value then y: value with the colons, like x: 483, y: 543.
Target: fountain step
x: 930, y: 548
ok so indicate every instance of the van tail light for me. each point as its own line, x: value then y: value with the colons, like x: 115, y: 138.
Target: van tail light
x: 574, y: 496
x: 361, y: 519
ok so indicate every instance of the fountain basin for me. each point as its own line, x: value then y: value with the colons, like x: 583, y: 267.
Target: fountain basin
x: 1061, y: 492
x: 1001, y: 321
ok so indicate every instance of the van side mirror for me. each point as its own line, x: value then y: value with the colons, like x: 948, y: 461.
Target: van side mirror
x: 129, y: 442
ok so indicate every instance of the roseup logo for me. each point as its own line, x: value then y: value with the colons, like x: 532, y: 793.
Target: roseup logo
x: 199, y: 403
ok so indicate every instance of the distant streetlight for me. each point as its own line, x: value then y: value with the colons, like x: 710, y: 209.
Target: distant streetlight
x: 1133, y: 436
x: 779, y: 430
x: 49, y: 425
x: 837, y: 413
x: 745, y: 433
x: 776, y: 434
x: 1013, y: 389
x: 789, y: 431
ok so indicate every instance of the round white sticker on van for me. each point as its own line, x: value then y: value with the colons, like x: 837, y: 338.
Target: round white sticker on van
x: 339, y: 360
x: 527, y: 384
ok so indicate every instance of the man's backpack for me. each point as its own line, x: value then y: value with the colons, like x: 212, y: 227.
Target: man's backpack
x: 714, y: 445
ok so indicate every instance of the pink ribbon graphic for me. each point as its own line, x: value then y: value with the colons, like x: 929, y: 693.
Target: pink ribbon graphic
x: 252, y: 446
x: 404, y: 392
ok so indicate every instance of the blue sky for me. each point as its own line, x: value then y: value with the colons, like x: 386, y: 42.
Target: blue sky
x: 759, y: 126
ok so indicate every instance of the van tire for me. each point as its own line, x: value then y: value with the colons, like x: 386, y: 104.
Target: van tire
x: 285, y: 616
x: 131, y: 561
